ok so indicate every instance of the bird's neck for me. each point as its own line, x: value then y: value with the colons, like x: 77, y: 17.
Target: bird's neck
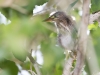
x: 61, y: 29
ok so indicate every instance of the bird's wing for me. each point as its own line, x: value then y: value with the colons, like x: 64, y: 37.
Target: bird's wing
x: 65, y: 27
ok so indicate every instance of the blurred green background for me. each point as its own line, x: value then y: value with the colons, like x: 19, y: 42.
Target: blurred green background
x: 26, y: 32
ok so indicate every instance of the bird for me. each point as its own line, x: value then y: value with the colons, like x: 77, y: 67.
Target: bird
x: 66, y: 30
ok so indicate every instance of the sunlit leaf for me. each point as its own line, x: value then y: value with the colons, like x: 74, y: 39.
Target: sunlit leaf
x: 93, y: 26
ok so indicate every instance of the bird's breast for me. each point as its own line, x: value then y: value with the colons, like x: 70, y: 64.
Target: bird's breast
x: 66, y: 41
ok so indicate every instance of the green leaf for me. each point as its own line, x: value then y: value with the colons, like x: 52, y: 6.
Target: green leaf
x: 52, y: 35
x: 8, y: 67
x: 93, y: 26
x: 20, y: 55
x: 95, y: 5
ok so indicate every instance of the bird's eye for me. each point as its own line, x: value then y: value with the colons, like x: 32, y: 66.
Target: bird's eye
x: 52, y: 16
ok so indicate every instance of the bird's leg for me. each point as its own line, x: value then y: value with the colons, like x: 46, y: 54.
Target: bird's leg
x: 66, y: 53
x: 71, y: 54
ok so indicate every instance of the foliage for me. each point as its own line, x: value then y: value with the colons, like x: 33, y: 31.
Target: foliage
x: 26, y: 32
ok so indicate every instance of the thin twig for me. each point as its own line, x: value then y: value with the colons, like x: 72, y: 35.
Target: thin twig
x: 18, y: 8
x: 36, y: 66
x: 32, y: 72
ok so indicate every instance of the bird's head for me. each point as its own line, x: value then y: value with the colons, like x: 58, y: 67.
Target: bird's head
x: 63, y: 21
x: 56, y: 17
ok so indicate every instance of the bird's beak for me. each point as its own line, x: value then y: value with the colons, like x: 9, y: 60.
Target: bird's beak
x: 48, y: 19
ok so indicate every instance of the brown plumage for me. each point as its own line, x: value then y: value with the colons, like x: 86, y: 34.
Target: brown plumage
x: 67, y: 32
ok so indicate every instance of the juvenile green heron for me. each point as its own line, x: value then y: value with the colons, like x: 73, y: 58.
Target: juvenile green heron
x: 66, y: 29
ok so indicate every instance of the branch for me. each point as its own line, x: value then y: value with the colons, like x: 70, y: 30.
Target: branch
x: 67, y: 66
x: 82, y: 38
x: 18, y: 8
x: 34, y: 64
x: 92, y: 58
x: 94, y: 17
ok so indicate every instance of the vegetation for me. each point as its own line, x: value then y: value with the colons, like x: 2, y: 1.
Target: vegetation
x: 28, y: 33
